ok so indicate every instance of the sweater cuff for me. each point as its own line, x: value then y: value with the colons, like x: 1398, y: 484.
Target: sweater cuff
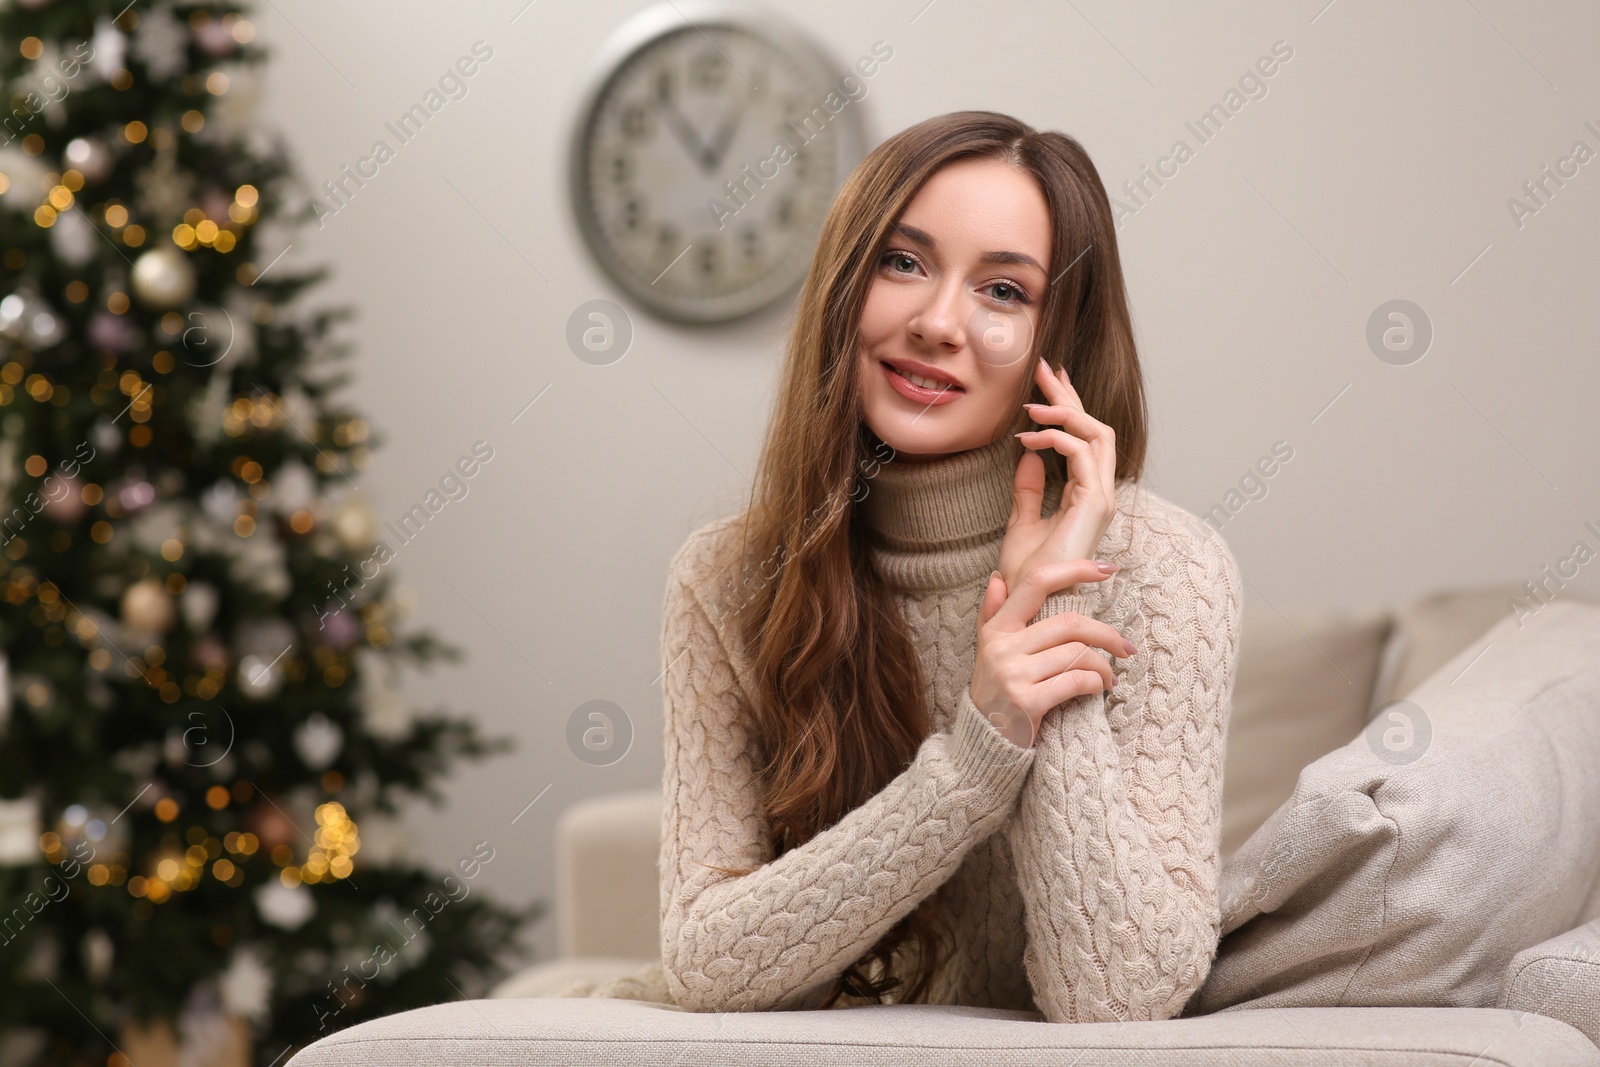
x: 981, y: 753
x: 1080, y: 603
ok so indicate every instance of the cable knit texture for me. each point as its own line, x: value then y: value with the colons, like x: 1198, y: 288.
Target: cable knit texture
x: 1083, y: 870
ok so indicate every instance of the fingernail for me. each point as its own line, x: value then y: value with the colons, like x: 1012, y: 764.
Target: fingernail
x: 1127, y: 647
x: 1033, y: 405
x: 993, y: 575
x: 1109, y: 568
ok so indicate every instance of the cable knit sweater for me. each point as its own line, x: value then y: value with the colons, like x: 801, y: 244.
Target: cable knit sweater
x: 1083, y: 870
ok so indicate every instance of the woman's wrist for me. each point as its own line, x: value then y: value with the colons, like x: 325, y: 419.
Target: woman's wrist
x: 1013, y: 724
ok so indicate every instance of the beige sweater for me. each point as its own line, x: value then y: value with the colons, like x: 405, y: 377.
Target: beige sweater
x: 1083, y: 869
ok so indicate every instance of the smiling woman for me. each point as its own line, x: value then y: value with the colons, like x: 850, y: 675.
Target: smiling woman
x: 966, y: 265
x: 898, y: 770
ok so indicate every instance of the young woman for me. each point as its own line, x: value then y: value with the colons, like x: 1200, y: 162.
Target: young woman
x: 911, y: 754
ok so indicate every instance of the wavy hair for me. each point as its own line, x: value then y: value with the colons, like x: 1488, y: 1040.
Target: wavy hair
x: 840, y: 704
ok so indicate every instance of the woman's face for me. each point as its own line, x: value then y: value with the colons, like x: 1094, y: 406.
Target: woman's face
x: 955, y: 298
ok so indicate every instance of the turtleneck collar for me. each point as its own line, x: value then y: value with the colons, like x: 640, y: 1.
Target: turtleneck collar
x: 937, y: 524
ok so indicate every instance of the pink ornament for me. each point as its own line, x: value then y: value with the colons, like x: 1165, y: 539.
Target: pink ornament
x: 209, y: 653
x: 214, y: 38
x: 62, y: 497
x: 111, y: 331
x: 340, y: 629
x: 214, y: 202
x: 135, y: 494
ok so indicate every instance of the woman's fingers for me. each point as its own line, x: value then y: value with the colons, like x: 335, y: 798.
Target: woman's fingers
x: 994, y: 595
x: 1063, y: 442
x: 1072, y: 656
x: 1063, y: 687
x: 1068, y: 627
x: 1027, y: 488
x: 1054, y: 386
x: 1028, y: 595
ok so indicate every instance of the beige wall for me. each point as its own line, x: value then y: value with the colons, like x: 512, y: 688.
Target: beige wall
x: 1378, y: 166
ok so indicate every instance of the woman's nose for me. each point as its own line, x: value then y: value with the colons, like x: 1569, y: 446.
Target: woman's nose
x: 939, y: 321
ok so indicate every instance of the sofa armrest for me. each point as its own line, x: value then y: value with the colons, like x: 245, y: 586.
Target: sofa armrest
x: 1559, y: 978
x: 608, y: 891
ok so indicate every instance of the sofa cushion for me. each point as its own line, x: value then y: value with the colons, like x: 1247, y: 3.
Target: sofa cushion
x: 589, y: 1033
x: 1433, y: 628
x: 571, y: 976
x: 1303, y: 688
x: 1460, y: 827
x: 1559, y: 978
x: 608, y: 891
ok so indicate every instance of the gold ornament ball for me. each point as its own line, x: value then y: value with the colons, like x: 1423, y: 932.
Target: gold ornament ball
x: 163, y: 277
x: 355, y: 524
x: 147, y: 606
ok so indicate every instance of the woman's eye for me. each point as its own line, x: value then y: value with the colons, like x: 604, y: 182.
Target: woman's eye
x: 1008, y: 293
x: 895, y: 258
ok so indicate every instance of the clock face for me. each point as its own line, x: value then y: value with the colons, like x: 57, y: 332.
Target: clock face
x: 705, y: 160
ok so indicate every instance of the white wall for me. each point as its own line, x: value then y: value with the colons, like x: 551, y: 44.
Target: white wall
x: 1378, y: 166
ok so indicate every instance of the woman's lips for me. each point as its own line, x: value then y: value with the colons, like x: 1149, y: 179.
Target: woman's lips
x: 911, y: 391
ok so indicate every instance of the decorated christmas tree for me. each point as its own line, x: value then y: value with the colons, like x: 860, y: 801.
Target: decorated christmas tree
x: 203, y: 746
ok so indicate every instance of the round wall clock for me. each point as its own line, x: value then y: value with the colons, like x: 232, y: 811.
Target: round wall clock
x: 705, y: 156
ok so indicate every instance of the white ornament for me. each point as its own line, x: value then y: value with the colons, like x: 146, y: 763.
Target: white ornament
x: 105, y: 436
x: 89, y: 157
x: 383, y: 711
x: 155, y: 525
x: 259, y: 677
x: 207, y: 409
x: 241, y: 303
x: 42, y: 80
x: 160, y: 41
x: 221, y: 501
x: 25, y: 316
x: 354, y: 523
x: 263, y: 637
x: 72, y: 238
x: 385, y: 842
x: 262, y: 562
x: 232, y: 115
x: 19, y: 831
x: 27, y: 178
x: 199, y: 605
x: 293, y: 486
x: 98, y: 953
x: 163, y: 277
x: 319, y: 741
x: 286, y: 907
x: 110, y: 47
x: 246, y: 986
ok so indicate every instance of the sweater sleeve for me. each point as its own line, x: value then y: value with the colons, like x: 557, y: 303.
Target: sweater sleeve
x: 778, y: 937
x: 1118, y: 827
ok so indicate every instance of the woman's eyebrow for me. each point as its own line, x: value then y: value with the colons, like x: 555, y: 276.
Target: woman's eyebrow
x: 925, y: 238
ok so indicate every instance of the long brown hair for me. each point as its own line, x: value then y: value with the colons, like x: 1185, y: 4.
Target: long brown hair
x: 840, y: 703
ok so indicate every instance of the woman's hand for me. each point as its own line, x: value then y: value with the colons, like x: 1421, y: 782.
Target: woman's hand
x: 1089, y: 498
x: 1023, y: 668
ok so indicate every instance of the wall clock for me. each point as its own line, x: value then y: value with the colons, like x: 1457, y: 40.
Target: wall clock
x: 704, y: 158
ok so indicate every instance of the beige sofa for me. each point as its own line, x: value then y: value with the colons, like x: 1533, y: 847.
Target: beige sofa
x: 1404, y: 883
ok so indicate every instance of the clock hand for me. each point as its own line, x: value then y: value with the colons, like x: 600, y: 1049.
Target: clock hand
x: 680, y: 125
x: 724, y: 137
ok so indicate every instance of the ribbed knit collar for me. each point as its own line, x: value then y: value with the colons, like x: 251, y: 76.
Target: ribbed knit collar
x: 938, y: 524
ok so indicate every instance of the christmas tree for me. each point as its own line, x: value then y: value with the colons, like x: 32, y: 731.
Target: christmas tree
x: 203, y: 747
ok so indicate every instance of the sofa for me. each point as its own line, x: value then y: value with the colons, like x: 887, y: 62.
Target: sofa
x: 1411, y: 875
